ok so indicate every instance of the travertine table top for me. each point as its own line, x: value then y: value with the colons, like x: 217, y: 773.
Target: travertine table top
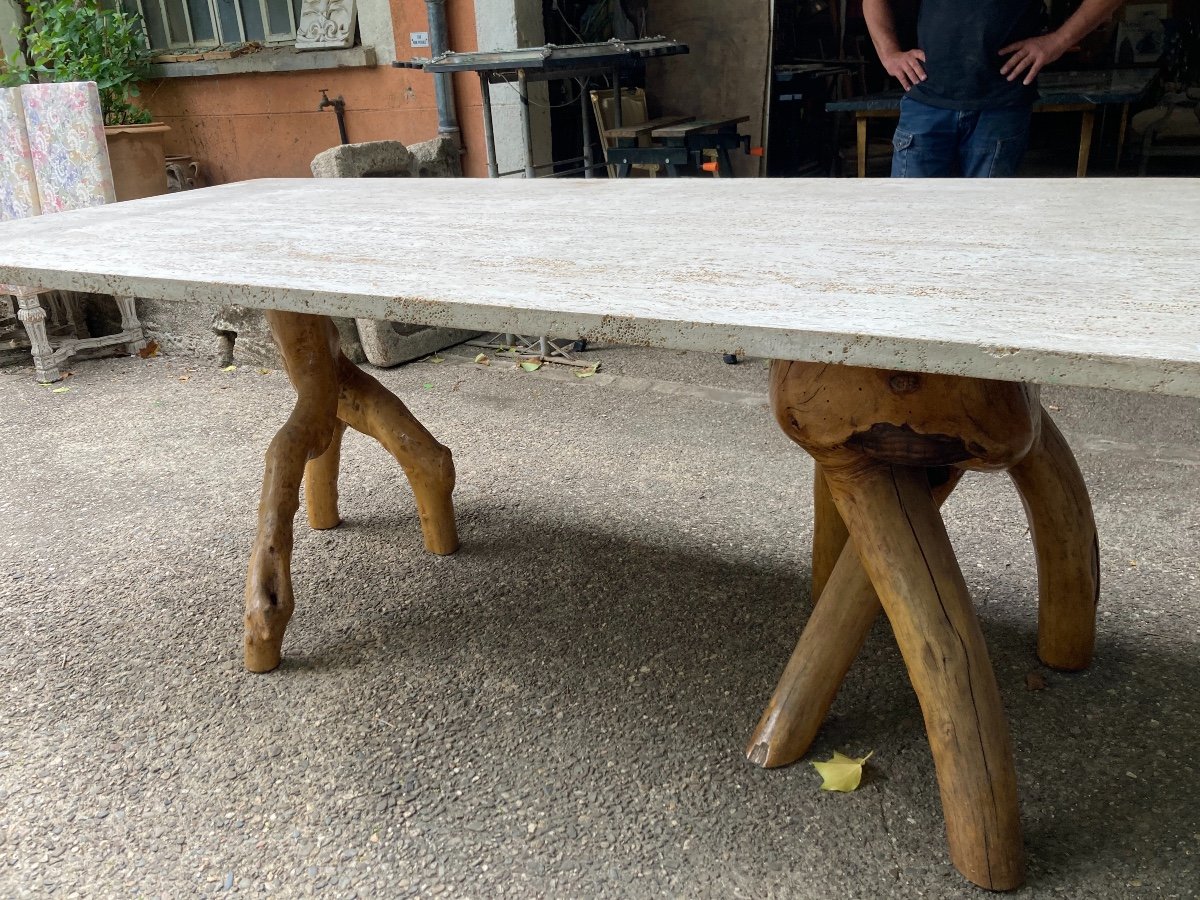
x: 1072, y: 281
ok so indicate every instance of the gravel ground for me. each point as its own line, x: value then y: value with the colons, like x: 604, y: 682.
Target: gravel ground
x: 558, y: 710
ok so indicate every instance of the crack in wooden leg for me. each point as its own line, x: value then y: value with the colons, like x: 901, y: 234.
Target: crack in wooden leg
x: 895, y: 526
x: 828, y: 646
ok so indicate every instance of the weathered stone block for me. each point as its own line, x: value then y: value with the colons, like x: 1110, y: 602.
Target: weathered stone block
x: 392, y: 343
x: 438, y: 158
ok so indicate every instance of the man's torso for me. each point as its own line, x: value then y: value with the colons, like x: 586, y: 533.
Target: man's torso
x: 962, y: 40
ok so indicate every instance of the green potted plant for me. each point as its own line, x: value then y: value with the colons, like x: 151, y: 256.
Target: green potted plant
x: 81, y: 40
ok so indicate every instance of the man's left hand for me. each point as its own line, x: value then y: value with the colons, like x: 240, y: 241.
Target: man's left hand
x: 1033, y: 53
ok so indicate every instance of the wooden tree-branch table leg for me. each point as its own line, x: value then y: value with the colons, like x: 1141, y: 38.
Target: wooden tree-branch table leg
x: 332, y: 393
x: 889, y: 446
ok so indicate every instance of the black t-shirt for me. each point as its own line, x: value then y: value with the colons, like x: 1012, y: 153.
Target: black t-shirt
x: 962, y: 41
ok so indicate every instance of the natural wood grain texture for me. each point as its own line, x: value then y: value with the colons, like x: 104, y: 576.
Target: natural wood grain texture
x: 882, y: 439
x: 1098, y: 285
x: 331, y: 393
x: 369, y: 407
x: 1068, y: 554
x: 829, y: 534
x: 840, y: 413
x: 831, y: 640
x: 904, y: 548
x: 321, y: 483
x: 310, y: 346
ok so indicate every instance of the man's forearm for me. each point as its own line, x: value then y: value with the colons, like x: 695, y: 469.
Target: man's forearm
x: 1085, y: 20
x: 882, y: 26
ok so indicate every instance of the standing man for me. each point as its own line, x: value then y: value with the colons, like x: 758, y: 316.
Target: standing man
x: 970, y: 82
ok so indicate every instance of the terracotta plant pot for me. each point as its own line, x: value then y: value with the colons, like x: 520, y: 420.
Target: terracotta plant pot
x: 138, y: 160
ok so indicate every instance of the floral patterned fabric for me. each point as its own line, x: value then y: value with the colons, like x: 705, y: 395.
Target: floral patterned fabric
x: 18, y: 187
x: 67, y: 145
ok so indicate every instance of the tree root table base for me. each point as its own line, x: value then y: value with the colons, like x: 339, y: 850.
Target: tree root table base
x: 889, y: 447
x: 331, y: 394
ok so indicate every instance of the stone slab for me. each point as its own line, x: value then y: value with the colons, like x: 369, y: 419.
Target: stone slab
x: 1061, y: 281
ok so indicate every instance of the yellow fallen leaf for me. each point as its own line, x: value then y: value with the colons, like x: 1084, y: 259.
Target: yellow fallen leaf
x: 531, y: 365
x: 62, y: 390
x: 483, y: 359
x: 841, y: 773
x: 229, y: 369
x: 264, y: 371
x: 588, y: 372
x: 436, y: 359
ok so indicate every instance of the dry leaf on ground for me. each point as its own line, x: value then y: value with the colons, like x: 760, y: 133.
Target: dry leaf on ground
x: 531, y: 365
x: 483, y: 359
x: 841, y: 773
x: 151, y: 349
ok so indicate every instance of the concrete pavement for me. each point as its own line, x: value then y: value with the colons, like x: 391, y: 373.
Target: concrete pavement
x: 559, y: 709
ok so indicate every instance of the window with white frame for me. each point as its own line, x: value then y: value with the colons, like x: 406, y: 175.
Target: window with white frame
x: 178, y: 24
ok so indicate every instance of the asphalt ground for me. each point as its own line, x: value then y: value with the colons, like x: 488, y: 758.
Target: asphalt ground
x: 560, y: 708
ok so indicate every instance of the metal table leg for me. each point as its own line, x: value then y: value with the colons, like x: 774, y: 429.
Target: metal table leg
x: 526, y: 125
x: 618, y: 114
x: 489, y: 136
x: 583, y: 118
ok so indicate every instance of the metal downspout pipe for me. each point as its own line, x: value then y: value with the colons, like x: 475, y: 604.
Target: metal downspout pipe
x: 443, y: 86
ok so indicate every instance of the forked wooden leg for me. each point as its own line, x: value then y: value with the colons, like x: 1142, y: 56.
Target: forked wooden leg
x: 309, y: 345
x: 1068, y: 551
x: 331, y: 393
x: 829, y: 534
x: 369, y: 407
x: 828, y: 646
x: 321, y: 483
x: 903, y: 545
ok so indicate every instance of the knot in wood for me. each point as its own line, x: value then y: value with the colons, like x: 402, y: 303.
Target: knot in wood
x: 904, y: 383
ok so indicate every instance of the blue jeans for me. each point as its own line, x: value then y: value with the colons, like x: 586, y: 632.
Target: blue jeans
x: 931, y: 142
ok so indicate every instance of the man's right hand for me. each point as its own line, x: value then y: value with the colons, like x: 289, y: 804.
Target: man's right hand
x: 906, y: 66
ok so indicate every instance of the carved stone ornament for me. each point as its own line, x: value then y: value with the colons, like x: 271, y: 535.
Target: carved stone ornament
x: 326, y: 25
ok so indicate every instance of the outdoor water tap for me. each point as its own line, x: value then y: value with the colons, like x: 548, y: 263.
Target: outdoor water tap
x: 339, y: 108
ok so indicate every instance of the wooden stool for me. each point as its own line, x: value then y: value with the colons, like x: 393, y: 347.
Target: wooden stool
x: 332, y: 393
x: 890, y: 447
